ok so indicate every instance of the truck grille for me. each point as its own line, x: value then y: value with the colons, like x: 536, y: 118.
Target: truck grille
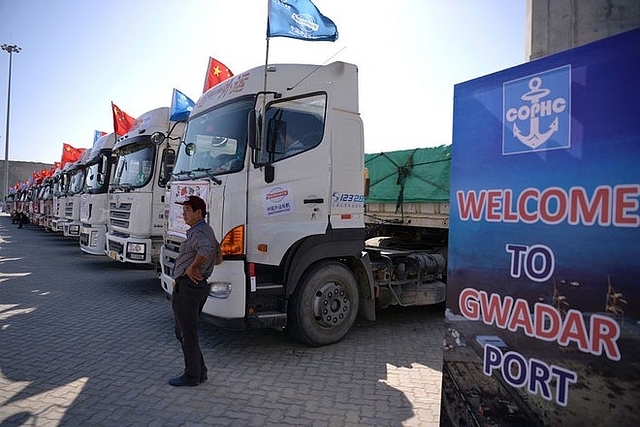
x: 115, y: 246
x: 171, y: 248
x: 68, y: 210
x: 119, y: 215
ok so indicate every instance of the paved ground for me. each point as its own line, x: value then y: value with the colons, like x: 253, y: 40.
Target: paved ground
x: 88, y: 341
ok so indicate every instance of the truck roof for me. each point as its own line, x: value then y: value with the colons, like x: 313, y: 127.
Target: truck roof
x: 289, y: 80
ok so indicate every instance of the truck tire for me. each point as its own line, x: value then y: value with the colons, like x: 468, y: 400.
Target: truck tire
x: 324, y: 305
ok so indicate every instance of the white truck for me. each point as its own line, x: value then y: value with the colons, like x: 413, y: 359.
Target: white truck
x: 94, y: 203
x: 137, y: 194
x: 57, y: 202
x: 71, y: 210
x: 297, y: 255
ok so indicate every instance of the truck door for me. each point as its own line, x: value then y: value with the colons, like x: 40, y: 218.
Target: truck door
x: 289, y: 185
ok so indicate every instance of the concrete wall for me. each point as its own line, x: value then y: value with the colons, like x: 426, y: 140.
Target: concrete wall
x: 19, y: 171
x: 557, y: 25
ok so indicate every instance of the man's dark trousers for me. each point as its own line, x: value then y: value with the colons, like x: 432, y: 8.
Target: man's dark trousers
x: 187, y: 303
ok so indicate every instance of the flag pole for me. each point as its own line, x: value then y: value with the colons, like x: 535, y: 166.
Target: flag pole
x: 266, y: 66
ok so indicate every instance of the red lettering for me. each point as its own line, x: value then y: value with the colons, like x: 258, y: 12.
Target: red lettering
x: 509, y: 216
x: 520, y: 317
x: 574, y: 330
x: 544, y: 312
x: 560, y: 198
x: 493, y: 311
x: 623, y: 204
x: 553, y: 205
x: 586, y: 211
x: 527, y: 216
x: 604, y: 334
x: 545, y: 323
x: 468, y: 304
x: 471, y: 206
x: 494, y: 205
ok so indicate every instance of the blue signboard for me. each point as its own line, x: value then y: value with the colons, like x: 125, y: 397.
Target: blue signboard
x: 543, y: 300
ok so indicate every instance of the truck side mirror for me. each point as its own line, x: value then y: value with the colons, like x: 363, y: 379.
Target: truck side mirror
x: 276, y: 131
x: 367, y: 182
x: 157, y: 138
x: 269, y: 173
x: 252, y: 130
x: 190, y: 149
x: 168, y: 160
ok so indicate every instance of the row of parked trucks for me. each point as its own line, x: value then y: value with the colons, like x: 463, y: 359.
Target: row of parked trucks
x: 302, y: 250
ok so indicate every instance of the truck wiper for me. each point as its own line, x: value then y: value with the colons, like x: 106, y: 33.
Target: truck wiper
x: 126, y: 187
x: 188, y: 173
x: 211, y: 174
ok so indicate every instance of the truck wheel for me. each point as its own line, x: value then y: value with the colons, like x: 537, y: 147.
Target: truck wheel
x: 324, y: 305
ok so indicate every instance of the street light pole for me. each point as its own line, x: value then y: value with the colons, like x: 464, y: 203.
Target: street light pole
x: 11, y: 49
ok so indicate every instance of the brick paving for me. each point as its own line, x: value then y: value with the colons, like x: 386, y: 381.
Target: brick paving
x: 88, y: 341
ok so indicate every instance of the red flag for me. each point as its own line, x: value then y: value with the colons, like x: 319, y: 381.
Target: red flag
x: 216, y: 73
x: 121, y: 121
x: 70, y: 154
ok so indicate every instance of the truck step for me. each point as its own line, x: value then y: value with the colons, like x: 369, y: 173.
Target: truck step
x: 270, y: 319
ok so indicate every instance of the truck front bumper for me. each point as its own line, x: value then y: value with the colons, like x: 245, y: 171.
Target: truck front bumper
x: 129, y: 249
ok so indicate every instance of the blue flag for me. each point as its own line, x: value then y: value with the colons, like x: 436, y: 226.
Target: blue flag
x: 181, y: 106
x: 97, y: 135
x: 299, y: 19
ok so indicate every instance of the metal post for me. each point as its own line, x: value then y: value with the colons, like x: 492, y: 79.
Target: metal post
x: 11, y: 49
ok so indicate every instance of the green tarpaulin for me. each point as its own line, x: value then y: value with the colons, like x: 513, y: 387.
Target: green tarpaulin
x: 406, y: 176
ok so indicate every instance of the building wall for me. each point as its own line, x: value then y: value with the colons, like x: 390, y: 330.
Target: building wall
x: 557, y: 25
x: 19, y: 171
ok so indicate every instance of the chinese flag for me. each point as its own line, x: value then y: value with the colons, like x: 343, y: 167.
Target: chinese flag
x: 216, y: 73
x: 121, y: 121
x: 70, y: 154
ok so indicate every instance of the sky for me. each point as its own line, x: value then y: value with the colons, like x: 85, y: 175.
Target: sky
x: 78, y: 56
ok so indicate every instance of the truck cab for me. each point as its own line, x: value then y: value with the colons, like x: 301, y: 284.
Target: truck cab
x: 94, y: 204
x: 76, y: 175
x: 137, y: 193
x: 290, y: 221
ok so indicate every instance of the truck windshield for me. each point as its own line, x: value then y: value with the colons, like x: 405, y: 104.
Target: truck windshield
x: 77, y: 181
x: 97, y: 173
x: 135, y: 165
x: 58, y: 185
x: 215, y: 142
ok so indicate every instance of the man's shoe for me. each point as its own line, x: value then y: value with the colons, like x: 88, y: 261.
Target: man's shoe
x: 182, y: 381
x: 203, y: 378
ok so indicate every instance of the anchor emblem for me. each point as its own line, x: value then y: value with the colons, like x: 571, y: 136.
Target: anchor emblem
x: 534, y: 139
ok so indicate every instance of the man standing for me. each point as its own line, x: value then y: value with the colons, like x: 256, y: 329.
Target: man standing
x: 194, y: 265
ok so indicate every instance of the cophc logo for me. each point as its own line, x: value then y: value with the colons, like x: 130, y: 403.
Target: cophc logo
x: 537, y: 112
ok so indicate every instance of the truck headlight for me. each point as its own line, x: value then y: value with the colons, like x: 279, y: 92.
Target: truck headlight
x: 136, y: 251
x: 136, y: 248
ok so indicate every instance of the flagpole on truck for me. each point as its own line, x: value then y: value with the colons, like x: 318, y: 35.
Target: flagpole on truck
x: 264, y: 98
x: 266, y: 66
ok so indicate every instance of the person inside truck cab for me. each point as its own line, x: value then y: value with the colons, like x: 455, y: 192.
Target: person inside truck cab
x: 300, y: 137
x: 292, y: 145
